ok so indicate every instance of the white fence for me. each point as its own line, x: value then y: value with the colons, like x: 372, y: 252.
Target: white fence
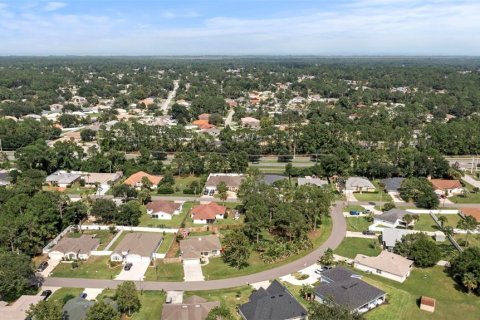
x: 158, y: 255
x: 440, y: 211
x: 127, y: 228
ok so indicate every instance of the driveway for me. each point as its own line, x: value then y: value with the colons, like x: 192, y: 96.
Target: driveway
x: 471, y: 180
x: 395, y: 196
x: 51, y: 265
x: 313, y: 277
x: 336, y: 237
x: 135, y: 273
x: 193, y: 272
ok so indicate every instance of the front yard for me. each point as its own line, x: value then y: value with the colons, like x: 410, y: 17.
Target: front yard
x: 217, y: 269
x: 357, y: 224
x: 62, y: 295
x: 93, y: 268
x: 165, y: 272
x: 372, y: 196
x: 351, y: 246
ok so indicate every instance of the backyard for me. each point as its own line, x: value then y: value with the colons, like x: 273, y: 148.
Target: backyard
x: 431, y: 282
x: 351, y: 246
x: 182, y: 183
x: 473, y: 239
x: 165, y: 272
x: 231, y: 297
x: 104, y: 236
x: 93, y: 268
x: 147, y: 221
x: 167, y: 241
x: 151, y: 304
x: 217, y: 269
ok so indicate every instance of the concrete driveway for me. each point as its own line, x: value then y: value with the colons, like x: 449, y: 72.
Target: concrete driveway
x: 51, y: 265
x: 193, y: 272
x: 135, y: 273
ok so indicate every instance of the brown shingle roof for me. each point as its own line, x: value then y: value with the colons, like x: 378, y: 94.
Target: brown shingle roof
x: 207, y: 211
x: 163, y: 206
x: 386, y: 261
x: 191, y: 248
x: 83, y: 245
x: 143, y: 244
x: 193, y: 308
x: 427, y: 301
x: 231, y: 181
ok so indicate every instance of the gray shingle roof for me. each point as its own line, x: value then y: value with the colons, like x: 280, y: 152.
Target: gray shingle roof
x: 337, y: 274
x: 271, y: 178
x: 392, y: 215
x: 276, y: 302
x: 313, y: 181
x: 351, y: 293
x: 392, y: 184
x: 390, y: 236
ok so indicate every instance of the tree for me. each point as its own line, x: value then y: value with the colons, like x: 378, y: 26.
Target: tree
x: 420, y: 248
x: 469, y: 281
x: 442, y: 220
x: 328, y: 310
x: 104, y: 209
x: 220, y: 313
x: 467, y: 262
x: 102, y: 311
x: 222, y: 191
x: 15, y: 275
x: 421, y: 191
x: 236, y: 249
x: 327, y: 258
x: 45, y: 310
x: 388, y: 206
x: 408, y: 219
x: 307, y: 292
x: 75, y: 212
x: 87, y: 135
x: 127, y: 298
x: 469, y: 224
x: 129, y: 214
x: 125, y: 192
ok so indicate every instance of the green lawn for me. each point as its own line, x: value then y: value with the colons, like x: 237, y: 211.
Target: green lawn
x: 167, y: 241
x: 372, y: 196
x: 230, y: 297
x: 165, y: 272
x: 104, y: 236
x: 77, y: 189
x: 351, y: 246
x: 353, y: 207
x: 425, y: 223
x: 473, y: 239
x: 471, y: 197
x: 147, y: 221
x: 357, y: 224
x: 228, y: 221
x: 93, y: 268
x: 431, y: 282
x: 217, y: 269
x: 151, y: 304
x: 452, y: 219
x: 62, y: 295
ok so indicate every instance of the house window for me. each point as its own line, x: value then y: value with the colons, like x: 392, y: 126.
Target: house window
x: 378, y: 271
x: 155, y: 216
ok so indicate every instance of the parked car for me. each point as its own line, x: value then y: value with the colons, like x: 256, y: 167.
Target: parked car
x: 128, y: 266
x: 368, y: 233
x: 83, y: 295
x: 323, y: 268
x: 367, y: 211
x: 42, y: 266
x: 45, y: 294
x: 355, y: 213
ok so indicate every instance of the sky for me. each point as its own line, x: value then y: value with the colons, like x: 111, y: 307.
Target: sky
x: 240, y: 27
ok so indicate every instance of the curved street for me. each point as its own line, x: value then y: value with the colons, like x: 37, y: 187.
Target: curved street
x: 339, y: 229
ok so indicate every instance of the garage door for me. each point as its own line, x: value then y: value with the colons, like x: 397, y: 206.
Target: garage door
x: 191, y: 261
x: 133, y: 258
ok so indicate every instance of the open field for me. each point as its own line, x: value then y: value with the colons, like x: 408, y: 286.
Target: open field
x: 93, y: 268
x: 357, y: 224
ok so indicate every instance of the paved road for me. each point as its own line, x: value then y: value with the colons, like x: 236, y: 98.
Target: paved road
x: 76, y: 197
x: 471, y: 180
x: 338, y: 233
x: 171, y: 95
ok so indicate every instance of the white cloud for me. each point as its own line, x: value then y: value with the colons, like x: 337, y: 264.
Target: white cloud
x: 167, y: 14
x: 53, y: 6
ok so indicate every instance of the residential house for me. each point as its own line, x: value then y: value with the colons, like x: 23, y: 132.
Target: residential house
x: 473, y: 212
x: 347, y: 289
x: 94, y: 178
x: 447, y: 187
x: 272, y: 178
x: 147, y: 101
x: 135, y: 180
x: 250, y: 122
x: 208, y: 213
x: 231, y: 180
x: 203, y: 124
x: 311, y: 181
x: 137, y: 247
x: 74, y: 248
x: 77, y: 308
x: 275, y: 302
x: 18, y: 310
x: 390, y: 236
x: 204, y: 116
x: 192, y: 308
x: 78, y: 101
x: 387, y: 264
x: 163, y: 210
x: 63, y: 179
x: 196, y: 249
x: 359, y: 184
x: 392, y: 218
x: 392, y: 184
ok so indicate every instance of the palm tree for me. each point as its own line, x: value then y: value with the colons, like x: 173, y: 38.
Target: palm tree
x: 407, y: 219
x: 442, y: 220
x: 469, y: 281
x: 469, y: 224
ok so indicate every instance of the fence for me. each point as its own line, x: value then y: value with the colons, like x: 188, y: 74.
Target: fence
x: 52, y: 243
x: 172, y: 260
x: 101, y: 253
x: 452, y: 240
x: 440, y: 211
x: 127, y: 228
